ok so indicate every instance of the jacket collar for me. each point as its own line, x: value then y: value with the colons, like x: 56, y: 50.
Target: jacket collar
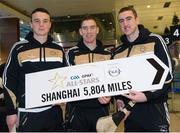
x: 84, y: 48
x: 143, y: 36
x: 31, y: 39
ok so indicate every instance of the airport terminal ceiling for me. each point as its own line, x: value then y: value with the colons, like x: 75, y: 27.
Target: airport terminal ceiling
x: 154, y: 14
x: 157, y: 15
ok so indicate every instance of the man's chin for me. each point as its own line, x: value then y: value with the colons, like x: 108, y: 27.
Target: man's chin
x: 127, y: 33
x: 89, y: 41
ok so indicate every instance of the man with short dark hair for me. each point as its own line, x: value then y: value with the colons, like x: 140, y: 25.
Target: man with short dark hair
x: 150, y: 113
x: 36, y: 53
x: 84, y: 114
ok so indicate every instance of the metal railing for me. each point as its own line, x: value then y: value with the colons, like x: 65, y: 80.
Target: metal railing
x: 175, y: 89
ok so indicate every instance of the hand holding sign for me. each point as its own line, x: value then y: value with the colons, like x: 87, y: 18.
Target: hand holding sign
x: 136, y: 96
x: 104, y: 100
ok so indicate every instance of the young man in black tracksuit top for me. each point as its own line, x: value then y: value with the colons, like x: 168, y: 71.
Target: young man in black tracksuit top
x: 150, y: 112
x: 36, y: 53
x: 83, y: 115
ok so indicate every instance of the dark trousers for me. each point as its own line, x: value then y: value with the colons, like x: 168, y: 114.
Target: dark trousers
x: 85, y: 119
x: 49, y: 120
x: 153, y: 118
x: 132, y: 126
x: 3, y: 125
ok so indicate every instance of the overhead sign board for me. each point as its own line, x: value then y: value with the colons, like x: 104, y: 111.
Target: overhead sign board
x: 86, y: 81
x: 174, y: 35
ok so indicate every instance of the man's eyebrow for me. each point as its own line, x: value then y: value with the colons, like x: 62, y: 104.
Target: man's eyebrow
x: 39, y: 19
x: 35, y: 19
x: 89, y: 26
x: 125, y: 18
x: 129, y: 17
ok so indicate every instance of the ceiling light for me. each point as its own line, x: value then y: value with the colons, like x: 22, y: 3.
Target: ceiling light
x: 155, y: 27
x: 131, y: 6
x: 21, y: 22
x: 166, y: 4
x: 148, y: 6
x: 160, y: 18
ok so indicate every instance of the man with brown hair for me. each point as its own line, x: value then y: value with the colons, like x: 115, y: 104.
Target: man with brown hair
x: 84, y: 114
x: 36, y: 53
x: 150, y: 113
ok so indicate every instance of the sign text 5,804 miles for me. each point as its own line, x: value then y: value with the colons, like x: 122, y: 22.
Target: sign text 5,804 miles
x: 108, y: 88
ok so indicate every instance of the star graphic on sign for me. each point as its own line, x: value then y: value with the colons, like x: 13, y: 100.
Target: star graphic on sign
x: 57, y: 81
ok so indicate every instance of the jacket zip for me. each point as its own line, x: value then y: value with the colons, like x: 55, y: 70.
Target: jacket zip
x: 40, y: 58
x: 129, y: 50
x: 44, y: 54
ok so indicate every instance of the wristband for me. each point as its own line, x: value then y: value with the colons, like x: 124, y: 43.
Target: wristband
x: 129, y: 106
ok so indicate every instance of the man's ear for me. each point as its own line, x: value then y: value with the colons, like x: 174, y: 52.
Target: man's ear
x: 50, y: 25
x: 1, y: 83
x: 137, y: 20
x: 30, y: 24
x: 80, y: 31
x: 97, y: 30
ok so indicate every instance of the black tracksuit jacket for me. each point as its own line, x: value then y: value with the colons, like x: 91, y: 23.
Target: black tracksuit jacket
x: 84, y: 114
x: 25, y: 57
x: 81, y: 54
x: 153, y: 113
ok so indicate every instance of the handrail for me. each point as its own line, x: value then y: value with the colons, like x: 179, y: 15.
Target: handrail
x: 174, y: 89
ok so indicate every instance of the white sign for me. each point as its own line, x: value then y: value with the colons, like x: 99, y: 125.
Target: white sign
x: 86, y: 81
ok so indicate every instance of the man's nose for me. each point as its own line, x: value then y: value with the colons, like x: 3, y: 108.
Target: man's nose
x: 125, y: 22
x: 89, y: 29
x: 41, y: 23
